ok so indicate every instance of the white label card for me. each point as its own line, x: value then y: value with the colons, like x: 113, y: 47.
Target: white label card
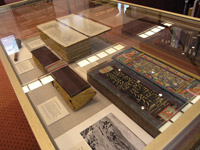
x: 46, y: 79
x: 93, y: 58
x: 197, y: 98
x: 52, y: 110
x: 118, y: 47
x: 24, y: 67
x: 110, y: 50
x: 25, y: 89
x: 102, y: 55
x: 165, y: 126
x: 186, y: 107
x: 83, y: 63
x: 176, y: 116
x: 34, y: 85
x: 36, y: 44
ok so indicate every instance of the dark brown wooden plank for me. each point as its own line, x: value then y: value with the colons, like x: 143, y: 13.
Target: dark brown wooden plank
x: 71, y: 82
x: 44, y: 56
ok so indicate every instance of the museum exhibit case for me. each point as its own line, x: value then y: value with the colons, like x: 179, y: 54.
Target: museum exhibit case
x: 99, y: 74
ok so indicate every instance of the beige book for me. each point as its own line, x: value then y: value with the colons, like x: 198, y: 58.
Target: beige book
x: 83, y: 25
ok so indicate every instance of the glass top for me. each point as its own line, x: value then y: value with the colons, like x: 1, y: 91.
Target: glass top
x: 134, y: 26
x: 150, y: 51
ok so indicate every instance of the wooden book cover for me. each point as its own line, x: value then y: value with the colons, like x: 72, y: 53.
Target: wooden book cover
x: 44, y: 56
x: 140, y: 99
x: 76, y: 91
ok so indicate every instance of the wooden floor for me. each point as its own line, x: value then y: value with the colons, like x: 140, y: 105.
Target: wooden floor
x: 22, y: 21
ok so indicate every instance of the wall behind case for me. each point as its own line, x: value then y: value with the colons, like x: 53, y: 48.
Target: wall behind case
x: 168, y: 5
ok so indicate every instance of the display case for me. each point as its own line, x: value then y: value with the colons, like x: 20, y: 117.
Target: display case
x: 93, y: 74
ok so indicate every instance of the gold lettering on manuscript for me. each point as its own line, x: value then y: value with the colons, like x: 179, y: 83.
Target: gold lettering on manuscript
x: 141, y: 94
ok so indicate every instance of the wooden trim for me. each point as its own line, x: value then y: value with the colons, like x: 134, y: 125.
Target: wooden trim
x: 159, y: 10
x: 13, y: 3
x: 35, y: 124
x: 161, y: 141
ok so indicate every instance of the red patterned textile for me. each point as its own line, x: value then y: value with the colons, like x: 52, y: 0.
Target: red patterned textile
x: 15, y: 132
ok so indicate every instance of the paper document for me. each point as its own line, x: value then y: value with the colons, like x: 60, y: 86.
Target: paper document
x: 52, y: 110
x: 36, y: 44
x: 24, y: 67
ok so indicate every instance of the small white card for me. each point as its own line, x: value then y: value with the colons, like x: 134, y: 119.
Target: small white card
x: 168, y: 24
x: 186, y: 107
x: 165, y: 126
x: 46, y: 79
x: 83, y: 63
x: 118, y: 47
x: 102, y: 55
x: 24, y: 67
x: 25, y: 89
x: 155, y: 30
x: 93, y: 58
x: 110, y: 50
x: 160, y: 27
x: 52, y: 110
x: 196, y: 99
x: 36, y: 44
x: 149, y: 33
x: 143, y: 36
x: 35, y: 85
x: 176, y: 116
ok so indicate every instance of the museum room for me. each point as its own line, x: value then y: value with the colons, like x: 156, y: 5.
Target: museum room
x: 100, y: 75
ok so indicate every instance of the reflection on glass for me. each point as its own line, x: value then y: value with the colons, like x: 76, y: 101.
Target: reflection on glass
x: 10, y: 45
x: 149, y: 33
x: 160, y: 27
x: 125, y: 7
x: 155, y: 30
x: 143, y: 36
x: 167, y: 24
x: 119, y: 8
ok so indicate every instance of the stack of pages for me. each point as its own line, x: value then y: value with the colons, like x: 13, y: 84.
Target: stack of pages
x: 83, y: 25
x: 68, y: 43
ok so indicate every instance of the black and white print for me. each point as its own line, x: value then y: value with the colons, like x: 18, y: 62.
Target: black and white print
x: 110, y: 133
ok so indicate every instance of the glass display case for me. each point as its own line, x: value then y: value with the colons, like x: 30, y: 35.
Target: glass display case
x: 98, y: 73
